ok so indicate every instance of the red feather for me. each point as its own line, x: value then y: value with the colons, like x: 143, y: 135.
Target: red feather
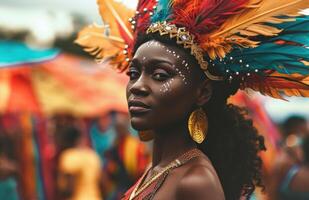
x: 204, y: 16
x: 143, y: 20
x: 276, y: 85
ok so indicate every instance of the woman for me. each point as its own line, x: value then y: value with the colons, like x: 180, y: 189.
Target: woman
x: 184, y: 59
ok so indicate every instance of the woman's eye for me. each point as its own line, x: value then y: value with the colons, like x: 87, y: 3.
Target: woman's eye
x: 133, y: 74
x: 160, y: 76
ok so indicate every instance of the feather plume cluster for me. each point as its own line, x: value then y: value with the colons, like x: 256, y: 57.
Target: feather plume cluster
x: 261, y: 43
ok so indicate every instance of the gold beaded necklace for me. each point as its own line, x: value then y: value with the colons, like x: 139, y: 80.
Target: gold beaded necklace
x: 139, y: 188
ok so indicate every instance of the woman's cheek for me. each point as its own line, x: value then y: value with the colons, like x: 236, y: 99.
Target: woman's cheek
x: 167, y: 87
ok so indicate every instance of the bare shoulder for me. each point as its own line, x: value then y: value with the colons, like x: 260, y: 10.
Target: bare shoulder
x: 200, y: 182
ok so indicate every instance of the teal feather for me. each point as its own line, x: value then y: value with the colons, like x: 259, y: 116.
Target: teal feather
x: 282, y: 58
x: 300, y: 23
x: 296, y: 31
x: 299, y: 38
x: 163, y: 11
x: 269, y: 55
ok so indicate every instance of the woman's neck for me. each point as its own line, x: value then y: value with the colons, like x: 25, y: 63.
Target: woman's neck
x: 169, y: 144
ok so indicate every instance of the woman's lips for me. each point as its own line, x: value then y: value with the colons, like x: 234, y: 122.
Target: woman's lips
x: 138, y: 107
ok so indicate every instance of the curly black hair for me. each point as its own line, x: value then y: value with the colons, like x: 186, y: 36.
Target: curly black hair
x: 232, y: 144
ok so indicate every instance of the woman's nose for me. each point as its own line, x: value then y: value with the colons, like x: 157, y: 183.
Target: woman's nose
x: 140, y: 86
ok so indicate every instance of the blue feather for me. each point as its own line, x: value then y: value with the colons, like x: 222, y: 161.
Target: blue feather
x: 268, y: 55
x: 163, y: 11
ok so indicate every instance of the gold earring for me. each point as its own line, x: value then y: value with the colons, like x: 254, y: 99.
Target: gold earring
x: 145, y: 135
x: 198, y: 125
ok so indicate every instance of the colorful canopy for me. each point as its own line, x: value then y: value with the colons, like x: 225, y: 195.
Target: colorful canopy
x: 15, y: 53
x: 65, y: 84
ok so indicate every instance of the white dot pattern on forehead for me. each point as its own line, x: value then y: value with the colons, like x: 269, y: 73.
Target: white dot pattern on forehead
x: 184, y: 63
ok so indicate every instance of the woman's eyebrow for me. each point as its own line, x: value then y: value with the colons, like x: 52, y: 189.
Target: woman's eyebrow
x: 151, y: 61
x: 157, y: 61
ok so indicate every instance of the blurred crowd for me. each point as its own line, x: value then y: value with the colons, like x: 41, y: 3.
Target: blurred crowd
x: 101, y: 158
x: 289, y: 177
x: 83, y: 158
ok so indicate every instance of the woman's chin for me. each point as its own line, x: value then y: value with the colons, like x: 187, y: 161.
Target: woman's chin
x: 139, y: 124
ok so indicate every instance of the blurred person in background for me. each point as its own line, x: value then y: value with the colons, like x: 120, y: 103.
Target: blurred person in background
x: 294, y: 129
x: 126, y: 160
x: 102, y: 135
x: 295, y: 185
x: 79, y: 169
x: 8, y: 167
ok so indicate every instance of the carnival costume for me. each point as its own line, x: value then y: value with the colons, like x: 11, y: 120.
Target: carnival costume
x: 260, y: 44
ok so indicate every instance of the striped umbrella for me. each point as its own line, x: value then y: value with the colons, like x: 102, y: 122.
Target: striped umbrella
x: 45, y: 81
x: 64, y: 84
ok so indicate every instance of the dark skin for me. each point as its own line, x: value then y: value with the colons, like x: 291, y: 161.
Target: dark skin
x: 165, y: 87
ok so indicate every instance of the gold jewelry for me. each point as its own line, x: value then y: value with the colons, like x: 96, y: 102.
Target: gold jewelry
x: 145, y: 135
x: 186, y: 39
x: 198, y: 125
x: 139, y: 188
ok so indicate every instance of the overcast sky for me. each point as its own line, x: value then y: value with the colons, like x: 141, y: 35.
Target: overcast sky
x: 85, y: 7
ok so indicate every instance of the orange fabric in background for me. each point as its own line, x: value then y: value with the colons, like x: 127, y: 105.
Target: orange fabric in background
x: 22, y: 96
x: 27, y: 170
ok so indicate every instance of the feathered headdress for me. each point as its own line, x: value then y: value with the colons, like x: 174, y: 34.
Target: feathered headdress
x: 263, y: 44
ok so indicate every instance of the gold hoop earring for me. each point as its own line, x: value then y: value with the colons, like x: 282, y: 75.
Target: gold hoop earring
x: 198, y: 125
x: 145, y: 136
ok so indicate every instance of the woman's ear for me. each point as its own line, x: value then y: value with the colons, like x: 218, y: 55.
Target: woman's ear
x: 204, y: 93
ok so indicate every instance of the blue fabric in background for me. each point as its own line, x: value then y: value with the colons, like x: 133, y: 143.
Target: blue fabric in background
x: 102, y: 141
x: 8, y: 189
x: 16, y: 53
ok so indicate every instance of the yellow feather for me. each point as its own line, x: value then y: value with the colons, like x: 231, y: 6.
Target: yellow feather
x: 275, y: 20
x: 95, y: 42
x: 116, y: 14
x: 260, y: 29
x: 305, y: 62
x: 260, y: 12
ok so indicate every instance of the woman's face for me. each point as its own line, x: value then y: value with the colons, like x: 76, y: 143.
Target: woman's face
x: 164, y: 86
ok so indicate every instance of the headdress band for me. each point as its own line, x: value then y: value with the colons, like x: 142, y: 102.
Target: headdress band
x: 186, y: 39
